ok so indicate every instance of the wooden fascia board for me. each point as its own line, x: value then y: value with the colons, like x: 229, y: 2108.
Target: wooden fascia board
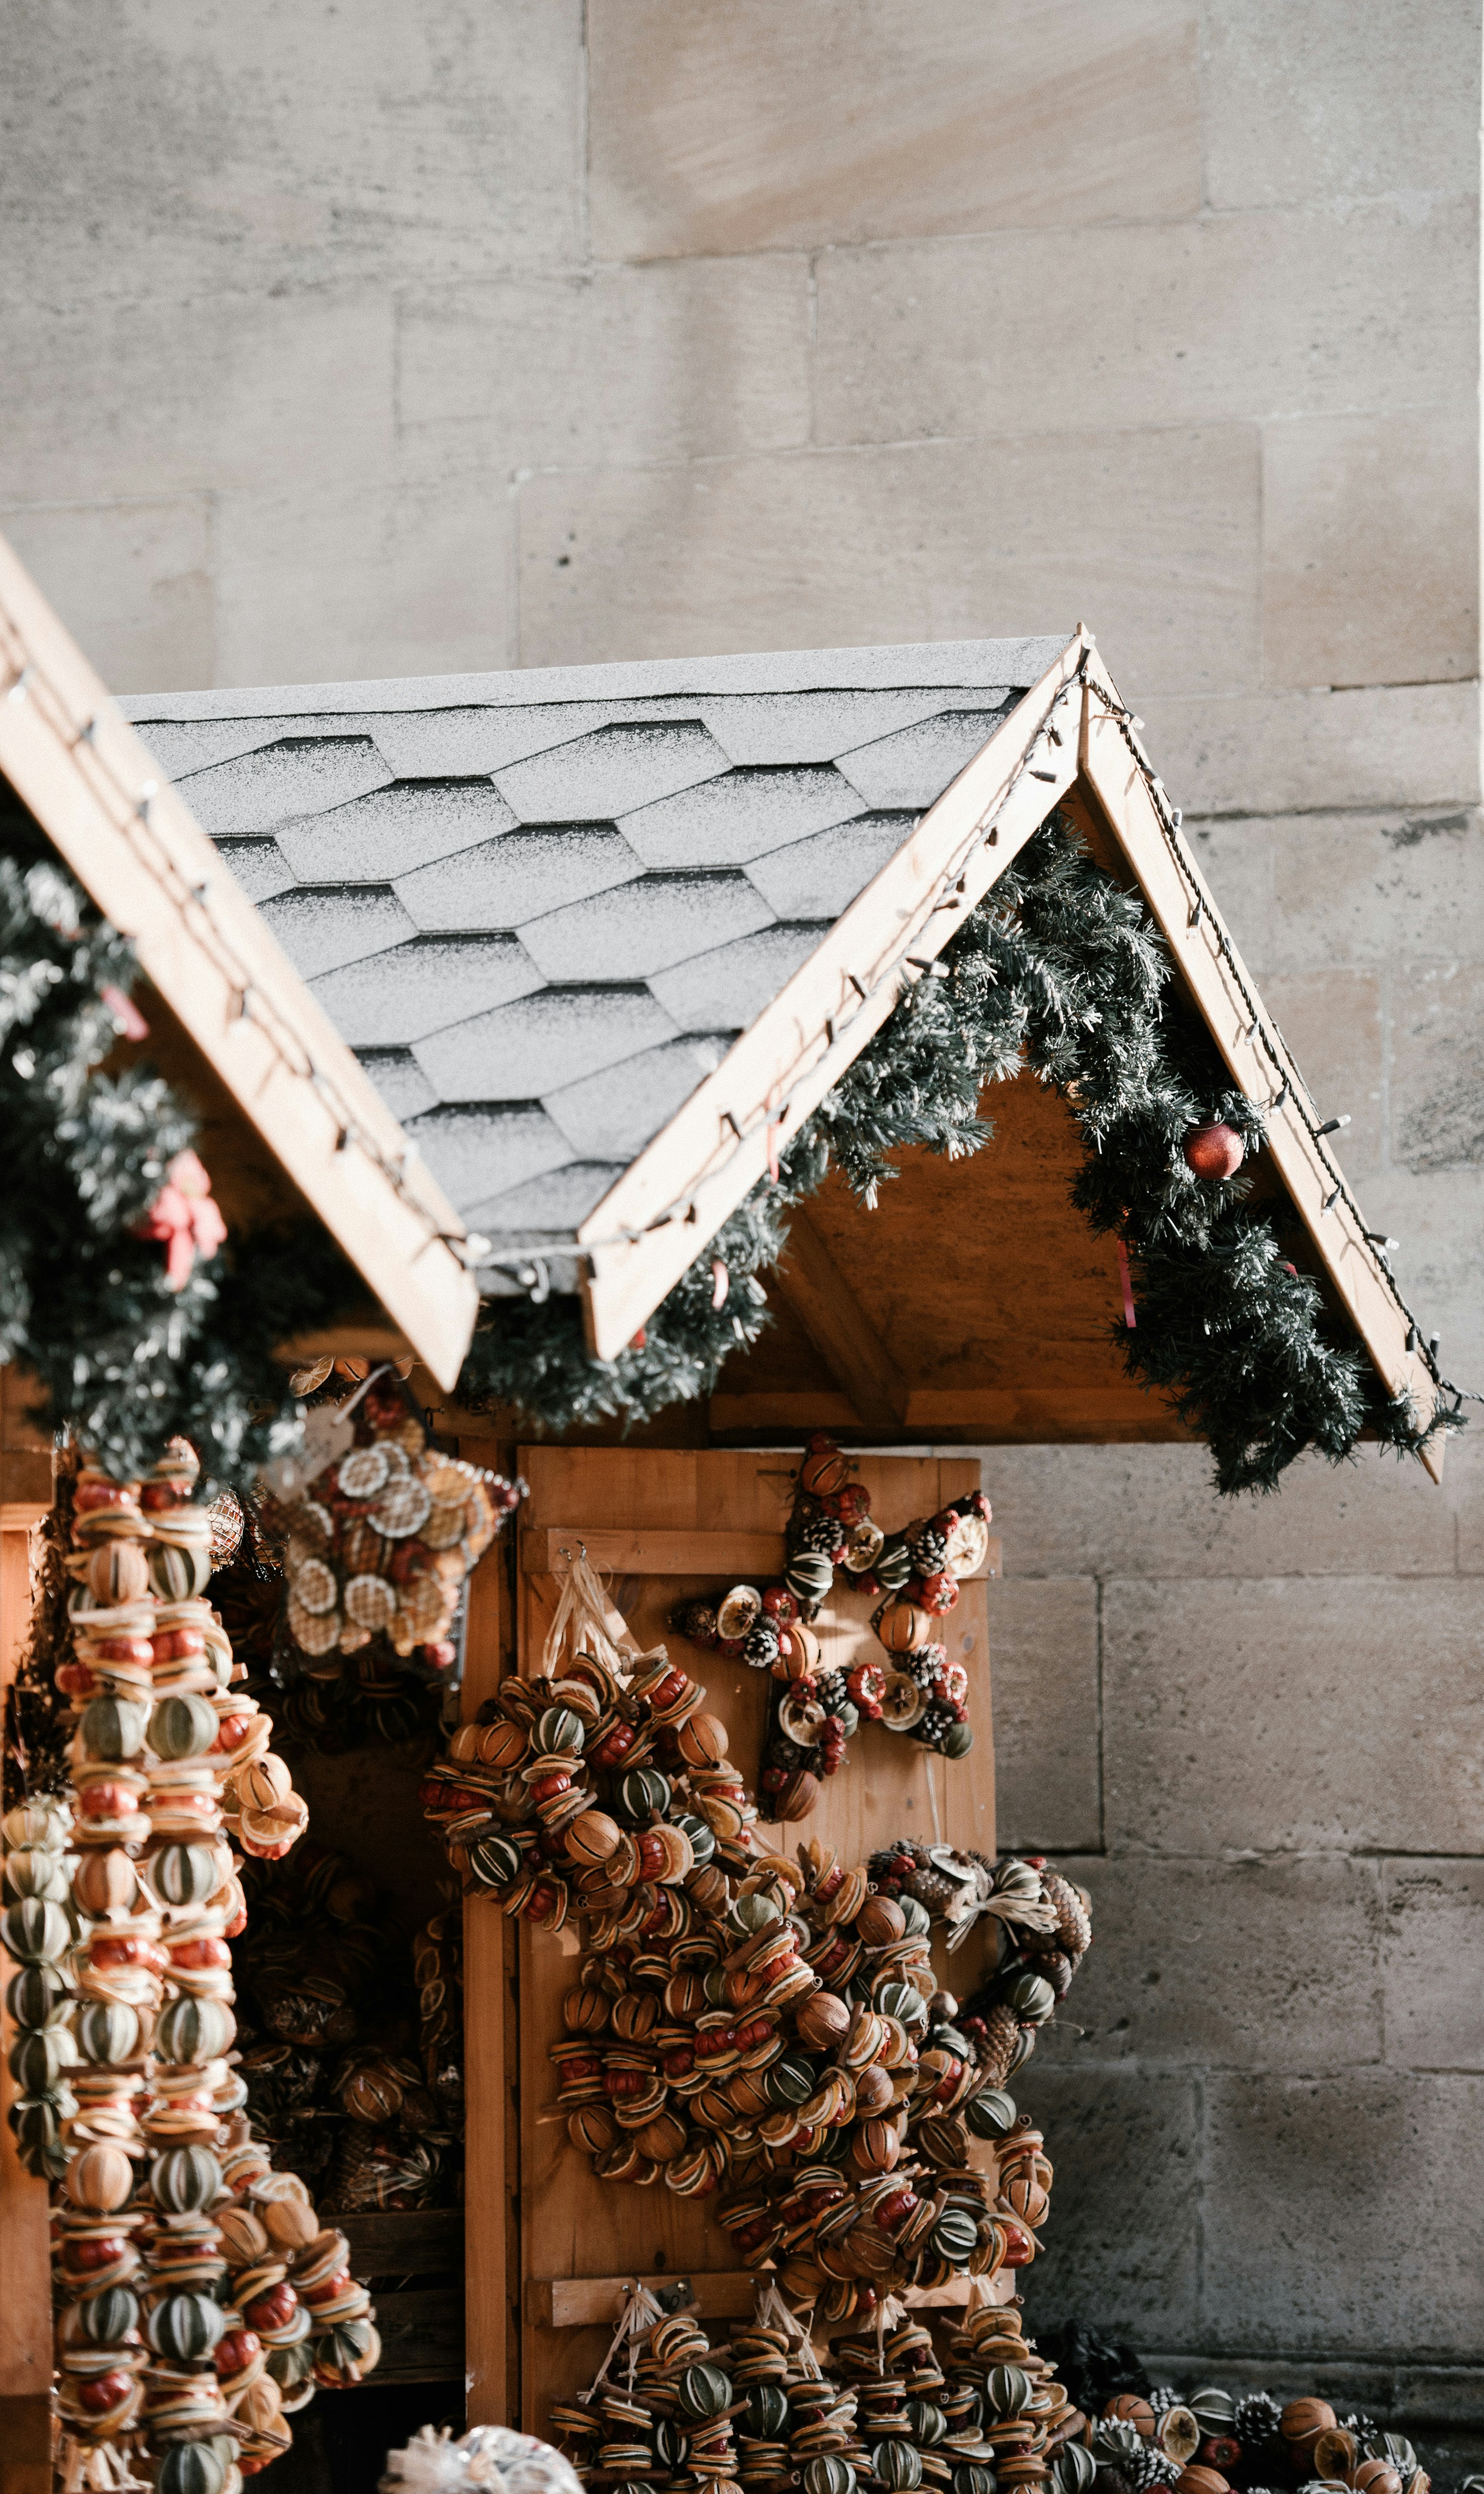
x: 73, y: 787
x: 1167, y: 876
x: 675, y: 1197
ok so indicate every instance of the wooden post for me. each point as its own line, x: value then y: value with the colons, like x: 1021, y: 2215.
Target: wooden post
x: 491, y: 2138
x: 25, y: 2265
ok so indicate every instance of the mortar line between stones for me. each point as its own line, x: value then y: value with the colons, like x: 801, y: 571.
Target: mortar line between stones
x: 1383, y: 1893
x: 1200, y: 2094
x: 584, y: 139
x: 1102, y: 1807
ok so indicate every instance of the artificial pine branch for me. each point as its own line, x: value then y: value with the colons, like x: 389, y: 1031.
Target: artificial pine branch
x: 124, y: 1363
x: 1059, y: 969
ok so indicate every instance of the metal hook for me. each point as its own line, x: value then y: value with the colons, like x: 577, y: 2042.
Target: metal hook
x: 562, y: 1552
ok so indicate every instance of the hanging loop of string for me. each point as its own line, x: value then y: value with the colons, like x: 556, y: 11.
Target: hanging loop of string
x: 641, y: 2310
x: 771, y: 2312
x: 586, y: 1623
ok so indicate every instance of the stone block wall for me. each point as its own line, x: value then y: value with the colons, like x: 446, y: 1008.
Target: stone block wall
x: 408, y: 337
x: 1253, y: 1731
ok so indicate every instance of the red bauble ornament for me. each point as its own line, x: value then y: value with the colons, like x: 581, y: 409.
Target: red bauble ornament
x: 1215, y: 1151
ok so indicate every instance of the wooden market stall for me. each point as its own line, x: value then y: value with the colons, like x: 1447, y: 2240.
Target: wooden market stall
x: 604, y: 940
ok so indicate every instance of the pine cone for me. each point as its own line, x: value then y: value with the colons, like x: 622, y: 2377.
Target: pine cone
x: 1255, y: 2423
x: 927, y: 1550
x: 1149, y: 2468
x: 1074, y: 1923
x: 821, y: 1533
x: 1002, y: 2035
x: 932, y: 1890
x: 351, y: 2179
x: 1164, y: 2399
x: 760, y: 1646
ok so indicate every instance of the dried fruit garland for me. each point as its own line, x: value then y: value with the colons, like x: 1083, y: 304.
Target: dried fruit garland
x: 583, y: 1791
x: 914, y: 1572
x: 167, y: 2346
x: 778, y: 2039
x: 883, y: 2409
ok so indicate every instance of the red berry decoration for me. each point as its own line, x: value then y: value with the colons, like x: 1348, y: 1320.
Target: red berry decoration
x: 1215, y: 1151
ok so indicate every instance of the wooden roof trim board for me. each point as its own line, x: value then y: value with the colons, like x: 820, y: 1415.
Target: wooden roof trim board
x: 1260, y: 1065
x: 396, y: 1235
x: 655, y: 1220
x: 716, y: 1146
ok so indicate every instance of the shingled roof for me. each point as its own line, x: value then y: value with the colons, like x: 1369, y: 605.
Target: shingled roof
x: 540, y: 905
x: 604, y: 937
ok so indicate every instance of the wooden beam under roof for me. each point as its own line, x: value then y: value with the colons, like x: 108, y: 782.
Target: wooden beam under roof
x: 811, y: 1282
x: 80, y: 770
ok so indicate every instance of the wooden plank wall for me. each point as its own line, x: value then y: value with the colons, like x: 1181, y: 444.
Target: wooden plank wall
x: 663, y: 1507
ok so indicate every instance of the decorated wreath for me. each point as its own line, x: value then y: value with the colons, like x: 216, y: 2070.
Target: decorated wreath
x: 785, y: 2045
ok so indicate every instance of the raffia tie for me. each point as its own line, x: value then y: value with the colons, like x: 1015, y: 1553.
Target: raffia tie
x: 770, y: 2311
x: 640, y: 2312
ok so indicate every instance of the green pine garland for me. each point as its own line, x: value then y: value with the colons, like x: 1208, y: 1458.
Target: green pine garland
x: 126, y: 1363
x: 1061, y: 969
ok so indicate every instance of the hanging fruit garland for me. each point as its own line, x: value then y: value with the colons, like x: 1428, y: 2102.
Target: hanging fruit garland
x: 599, y: 1786
x: 778, y: 2040
x: 125, y: 1996
x: 37, y: 1933
x: 880, y: 2409
x: 913, y: 1574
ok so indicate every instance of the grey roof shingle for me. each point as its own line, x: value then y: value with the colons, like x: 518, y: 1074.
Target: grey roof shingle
x: 914, y: 766
x: 728, y: 989
x: 621, y: 1109
x: 644, y: 926
x: 257, y: 791
x: 326, y: 930
x: 726, y: 821
x: 611, y: 771
x: 541, y: 905
x: 400, y: 1081
x: 820, y: 877
x: 541, y: 1042
x: 521, y: 875
x: 417, y: 989
x: 374, y: 838
x: 259, y: 866
x: 816, y: 727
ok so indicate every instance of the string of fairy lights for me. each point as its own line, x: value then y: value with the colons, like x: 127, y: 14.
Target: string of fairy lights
x: 1258, y: 1035
x: 529, y: 1260
x: 28, y: 680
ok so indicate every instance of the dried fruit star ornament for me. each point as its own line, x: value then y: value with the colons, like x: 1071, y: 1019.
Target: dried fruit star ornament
x: 913, y: 1576
x: 380, y: 1531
